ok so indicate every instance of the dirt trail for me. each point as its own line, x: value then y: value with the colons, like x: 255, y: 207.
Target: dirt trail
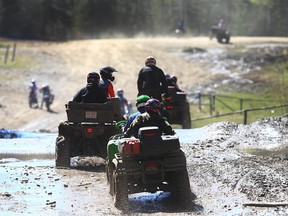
x: 64, y: 67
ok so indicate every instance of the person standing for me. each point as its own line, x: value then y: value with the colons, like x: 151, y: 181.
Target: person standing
x: 33, y: 101
x: 106, y: 80
x: 151, y: 80
x: 47, y: 97
x: 124, y: 104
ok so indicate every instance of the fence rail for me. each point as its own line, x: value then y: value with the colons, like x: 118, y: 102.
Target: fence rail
x: 244, y: 112
x: 211, y: 98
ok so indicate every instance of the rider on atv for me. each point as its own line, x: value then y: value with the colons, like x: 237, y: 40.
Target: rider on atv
x: 140, y: 104
x: 152, y: 117
x: 151, y: 80
x: 106, y: 80
x: 91, y: 93
x: 172, y: 81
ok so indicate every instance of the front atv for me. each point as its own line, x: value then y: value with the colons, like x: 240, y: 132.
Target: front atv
x: 87, y: 130
x: 148, y: 164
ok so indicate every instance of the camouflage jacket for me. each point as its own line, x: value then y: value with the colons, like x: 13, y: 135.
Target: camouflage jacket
x: 148, y: 119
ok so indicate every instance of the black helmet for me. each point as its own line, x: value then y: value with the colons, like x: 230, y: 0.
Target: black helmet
x: 93, y: 77
x: 106, y: 72
x: 174, y: 79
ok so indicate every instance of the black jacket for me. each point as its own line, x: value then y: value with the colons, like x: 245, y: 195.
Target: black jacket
x: 152, y: 82
x: 91, y: 93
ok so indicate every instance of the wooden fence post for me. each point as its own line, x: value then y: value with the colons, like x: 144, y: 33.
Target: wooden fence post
x: 6, y: 54
x: 211, y: 104
x: 14, y: 52
x: 241, y: 103
x: 200, y: 102
x: 245, y: 116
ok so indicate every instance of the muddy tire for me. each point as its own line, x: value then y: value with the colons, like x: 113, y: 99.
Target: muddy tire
x: 120, y: 191
x: 62, y: 152
x: 219, y: 39
x: 109, y: 175
x: 228, y: 40
x: 186, y: 118
x: 182, y: 192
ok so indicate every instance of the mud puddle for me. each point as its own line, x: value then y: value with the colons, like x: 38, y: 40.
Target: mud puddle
x: 35, y: 190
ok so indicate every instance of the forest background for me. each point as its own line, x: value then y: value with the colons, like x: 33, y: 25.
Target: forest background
x: 84, y: 19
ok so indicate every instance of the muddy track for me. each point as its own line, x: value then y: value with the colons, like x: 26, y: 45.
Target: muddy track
x: 225, y: 180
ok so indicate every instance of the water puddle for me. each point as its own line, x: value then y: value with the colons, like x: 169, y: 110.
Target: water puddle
x: 32, y: 160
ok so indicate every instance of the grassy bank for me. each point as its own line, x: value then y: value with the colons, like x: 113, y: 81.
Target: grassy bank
x: 272, y: 92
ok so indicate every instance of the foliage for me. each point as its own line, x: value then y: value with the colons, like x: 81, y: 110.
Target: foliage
x: 68, y: 19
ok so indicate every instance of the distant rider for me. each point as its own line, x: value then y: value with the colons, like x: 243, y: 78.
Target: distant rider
x: 91, y: 93
x: 106, y: 80
x: 124, y: 104
x: 221, y: 24
x: 47, y: 97
x: 33, y: 93
x: 151, y: 117
x: 181, y: 26
x: 140, y: 104
x: 151, y: 80
x: 172, y: 81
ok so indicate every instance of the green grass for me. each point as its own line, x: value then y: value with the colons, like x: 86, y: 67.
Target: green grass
x: 21, y: 62
x: 272, y: 94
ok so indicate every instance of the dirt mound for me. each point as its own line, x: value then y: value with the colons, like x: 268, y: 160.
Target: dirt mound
x: 240, y: 165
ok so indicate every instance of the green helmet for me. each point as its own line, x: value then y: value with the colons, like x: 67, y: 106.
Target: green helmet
x: 141, y: 100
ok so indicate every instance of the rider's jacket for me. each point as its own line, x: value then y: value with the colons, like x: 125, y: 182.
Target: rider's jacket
x: 33, y: 89
x: 148, y: 119
x: 91, y: 93
x: 45, y: 92
x: 152, y: 82
x: 133, y: 116
x: 107, y: 86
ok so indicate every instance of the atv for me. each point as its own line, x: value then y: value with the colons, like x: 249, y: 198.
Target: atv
x: 87, y: 130
x: 222, y: 35
x: 150, y: 163
x: 176, y: 108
